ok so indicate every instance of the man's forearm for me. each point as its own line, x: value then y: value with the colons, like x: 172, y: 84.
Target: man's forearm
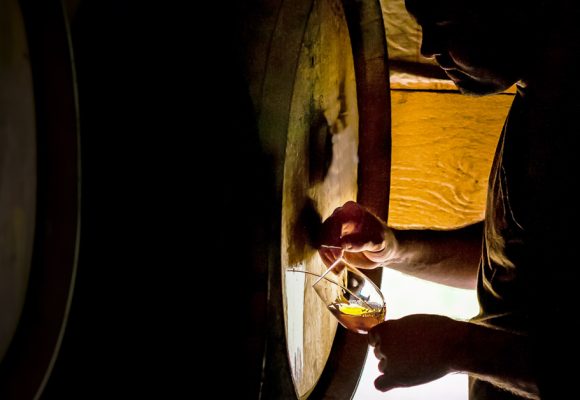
x: 447, y: 257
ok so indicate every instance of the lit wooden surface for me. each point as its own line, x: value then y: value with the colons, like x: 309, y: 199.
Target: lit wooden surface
x: 443, y: 146
x: 320, y: 174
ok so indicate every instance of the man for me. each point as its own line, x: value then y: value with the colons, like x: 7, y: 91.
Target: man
x: 522, y: 259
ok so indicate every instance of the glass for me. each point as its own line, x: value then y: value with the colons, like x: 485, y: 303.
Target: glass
x: 355, y: 301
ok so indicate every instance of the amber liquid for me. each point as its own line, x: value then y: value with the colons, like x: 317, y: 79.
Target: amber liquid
x: 356, y: 317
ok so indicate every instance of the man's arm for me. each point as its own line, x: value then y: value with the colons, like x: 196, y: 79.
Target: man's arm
x: 420, y: 348
x: 448, y: 257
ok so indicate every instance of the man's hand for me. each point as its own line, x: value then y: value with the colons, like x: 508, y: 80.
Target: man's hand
x: 361, y: 234
x: 415, y: 349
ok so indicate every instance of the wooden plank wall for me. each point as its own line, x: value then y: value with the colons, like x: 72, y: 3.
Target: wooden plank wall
x: 443, y: 146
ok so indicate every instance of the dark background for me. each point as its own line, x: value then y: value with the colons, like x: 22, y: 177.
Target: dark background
x: 176, y: 199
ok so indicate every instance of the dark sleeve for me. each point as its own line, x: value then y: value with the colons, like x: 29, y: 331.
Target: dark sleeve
x: 552, y: 233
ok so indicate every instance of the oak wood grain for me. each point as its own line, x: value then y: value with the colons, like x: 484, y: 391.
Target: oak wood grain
x: 443, y: 146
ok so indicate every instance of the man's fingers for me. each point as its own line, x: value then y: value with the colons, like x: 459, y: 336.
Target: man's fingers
x: 363, y: 241
x: 385, y: 383
x: 328, y: 255
x: 374, y: 337
x: 378, y: 353
x: 343, y: 221
x: 383, y: 364
x: 359, y: 260
x: 350, y: 208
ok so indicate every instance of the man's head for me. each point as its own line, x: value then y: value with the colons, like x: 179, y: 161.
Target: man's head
x: 482, y: 46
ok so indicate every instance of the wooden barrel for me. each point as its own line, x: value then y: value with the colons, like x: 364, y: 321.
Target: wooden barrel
x: 311, y: 155
x: 39, y: 192
x: 319, y: 82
